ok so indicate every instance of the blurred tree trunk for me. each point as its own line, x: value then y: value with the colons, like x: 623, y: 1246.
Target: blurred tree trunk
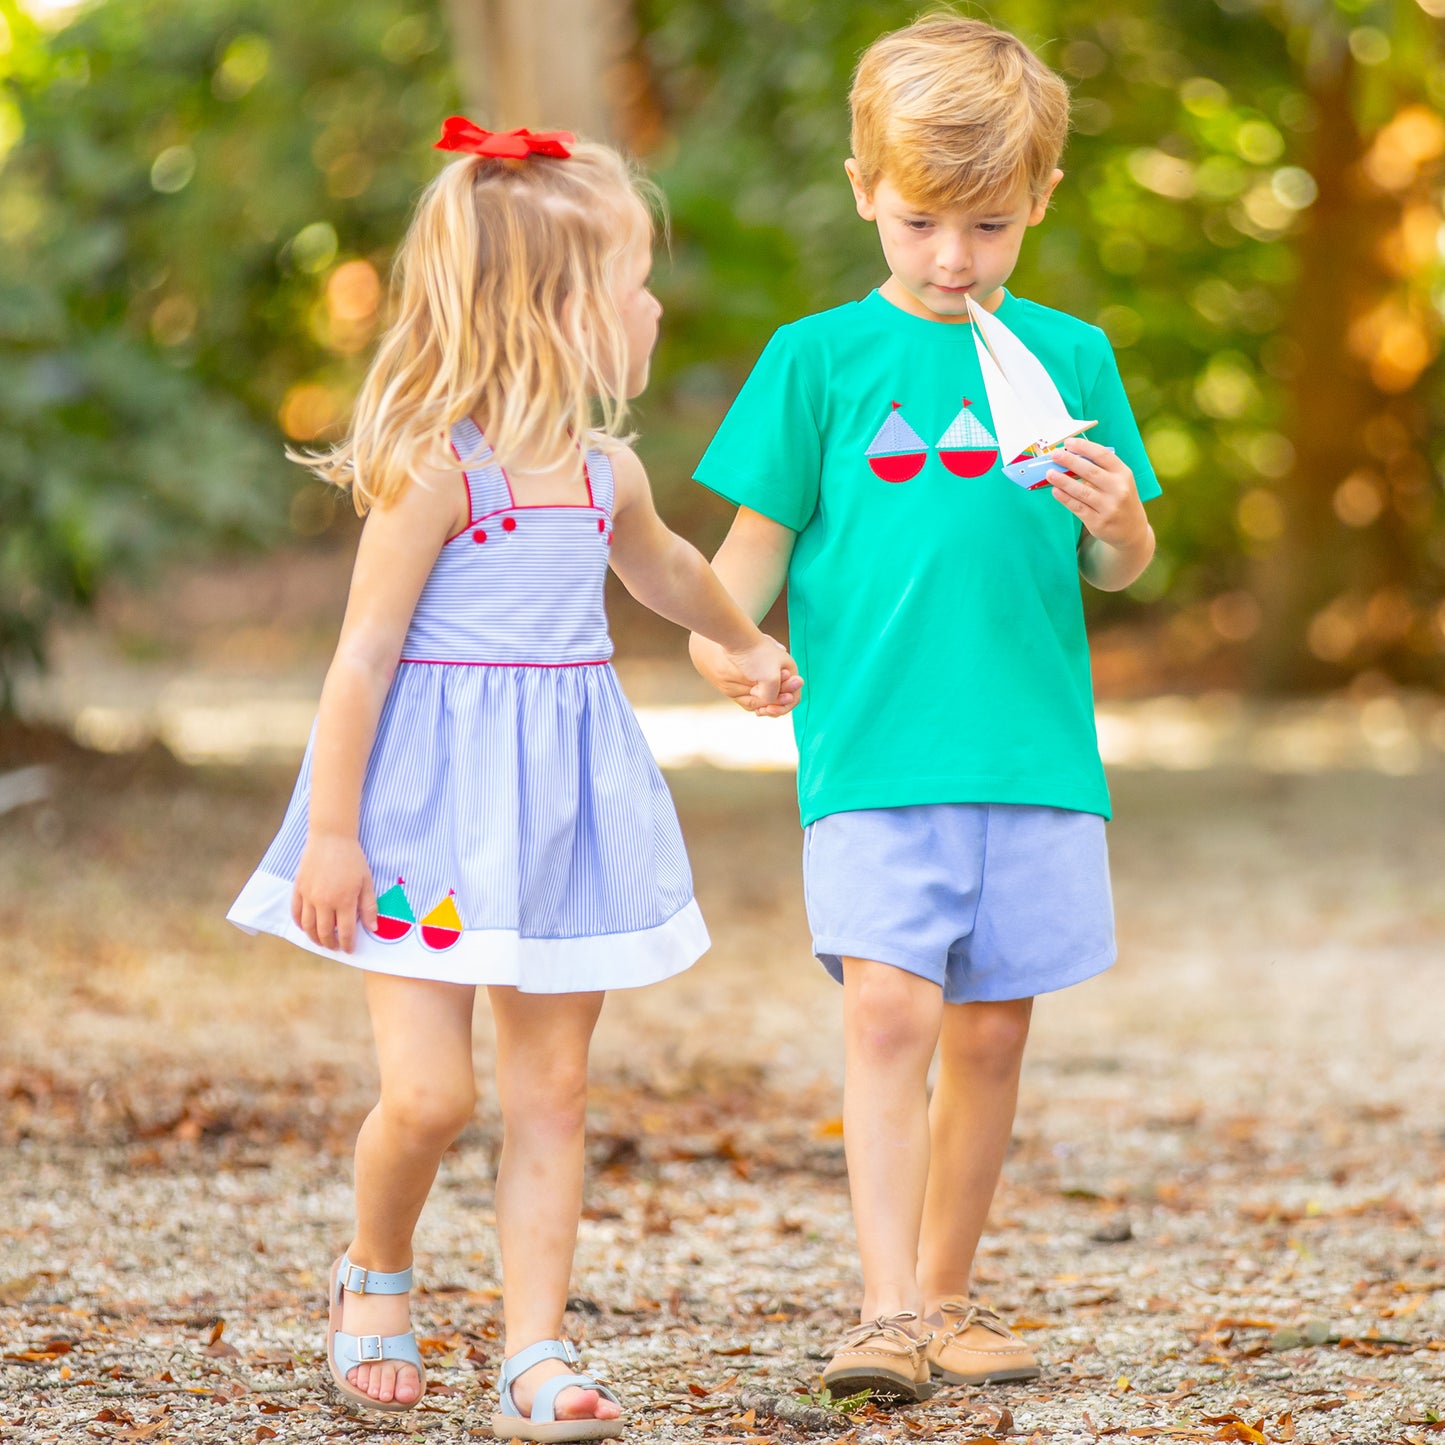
x: 1342, y: 588
x: 545, y: 64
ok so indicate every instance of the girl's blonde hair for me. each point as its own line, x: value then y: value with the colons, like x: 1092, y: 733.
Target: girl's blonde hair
x: 504, y: 310
x: 956, y: 112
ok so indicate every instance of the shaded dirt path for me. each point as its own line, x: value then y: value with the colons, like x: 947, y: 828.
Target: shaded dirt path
x: 1222, y: 1218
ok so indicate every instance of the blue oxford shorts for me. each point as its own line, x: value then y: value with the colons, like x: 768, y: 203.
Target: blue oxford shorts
x: 989, y: 900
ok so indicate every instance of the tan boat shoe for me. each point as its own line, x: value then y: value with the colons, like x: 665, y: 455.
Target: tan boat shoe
x: 975, y: 1347
x: 883, y: 1357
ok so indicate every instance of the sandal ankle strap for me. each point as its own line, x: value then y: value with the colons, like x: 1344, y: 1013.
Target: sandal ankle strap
x: 352, y: 1279
x: 517, y: 1365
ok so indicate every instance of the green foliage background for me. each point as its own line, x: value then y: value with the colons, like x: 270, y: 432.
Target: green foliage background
x: 181, y: 179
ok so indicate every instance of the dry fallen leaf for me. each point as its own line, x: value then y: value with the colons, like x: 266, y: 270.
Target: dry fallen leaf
x: 144, y: 1432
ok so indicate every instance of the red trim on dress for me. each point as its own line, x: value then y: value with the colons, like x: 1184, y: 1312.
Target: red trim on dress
x: 537, y: 507
x: 447, y: 662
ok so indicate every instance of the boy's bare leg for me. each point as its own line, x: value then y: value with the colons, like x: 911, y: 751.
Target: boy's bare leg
x: 891, y: 1022
x: 971, y: 1119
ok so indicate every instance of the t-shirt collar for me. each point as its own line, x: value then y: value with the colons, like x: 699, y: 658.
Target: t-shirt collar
x: 940, y: 329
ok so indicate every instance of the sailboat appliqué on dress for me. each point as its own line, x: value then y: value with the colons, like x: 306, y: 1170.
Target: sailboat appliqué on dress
x: 897, y: 452
x: 1029, y: 416
x: 967, y: 448
x: 394, y: 916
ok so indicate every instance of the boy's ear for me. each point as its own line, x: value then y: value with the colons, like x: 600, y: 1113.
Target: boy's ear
x: 861, y: 198
x: 1041, y: 205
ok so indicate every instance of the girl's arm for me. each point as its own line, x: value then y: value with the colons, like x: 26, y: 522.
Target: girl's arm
x: 668, y: 575
x: 1117, y: 542
x: 752, y: 564
x: 398, y: 548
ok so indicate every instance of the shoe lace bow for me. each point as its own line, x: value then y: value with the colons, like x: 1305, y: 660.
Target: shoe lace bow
x: 966, y: 1314
x: 892, y: 1327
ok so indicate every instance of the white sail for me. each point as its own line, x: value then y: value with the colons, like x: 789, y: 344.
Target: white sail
x: 1027, y: 408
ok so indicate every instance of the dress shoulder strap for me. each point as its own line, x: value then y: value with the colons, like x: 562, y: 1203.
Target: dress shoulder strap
x: 488, y: 490
x: 600, y: 480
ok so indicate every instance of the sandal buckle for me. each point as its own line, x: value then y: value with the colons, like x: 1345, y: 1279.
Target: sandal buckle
x: 574, y: 1357
x: 368, y: 1349
x: 350, y: 1273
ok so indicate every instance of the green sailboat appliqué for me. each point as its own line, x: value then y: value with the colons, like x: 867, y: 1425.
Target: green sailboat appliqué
x: 394, y: 917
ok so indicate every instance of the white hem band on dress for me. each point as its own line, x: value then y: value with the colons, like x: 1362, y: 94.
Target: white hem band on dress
x: 495, y: 955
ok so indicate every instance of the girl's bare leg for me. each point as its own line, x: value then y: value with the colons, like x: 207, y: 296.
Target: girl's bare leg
x: 423, y: 1036
x: 542, y: 1045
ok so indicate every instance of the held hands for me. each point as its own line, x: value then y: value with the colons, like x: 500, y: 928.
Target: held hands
x: 1101, y: 493
x: 762, y: 678
x: 333, y: 887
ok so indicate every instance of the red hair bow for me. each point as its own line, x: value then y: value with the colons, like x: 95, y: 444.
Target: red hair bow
x: 459, y: 134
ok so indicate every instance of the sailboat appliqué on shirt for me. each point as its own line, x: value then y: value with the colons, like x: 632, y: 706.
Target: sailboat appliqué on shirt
x: 897, y: 452
x: 967, y: 448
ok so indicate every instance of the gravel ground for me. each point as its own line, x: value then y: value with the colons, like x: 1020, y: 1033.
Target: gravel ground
x: 1223, y: 1216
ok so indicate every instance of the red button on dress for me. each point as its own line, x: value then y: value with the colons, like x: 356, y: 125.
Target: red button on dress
x: 479, y: 535
x: 602, y: 524
x: 509, y: 524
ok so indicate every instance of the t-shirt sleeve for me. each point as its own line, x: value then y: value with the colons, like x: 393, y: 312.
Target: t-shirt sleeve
x: 768, y: 452
x: 1108, y: 403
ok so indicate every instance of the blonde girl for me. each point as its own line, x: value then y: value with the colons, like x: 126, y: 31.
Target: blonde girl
x: 477, y: 805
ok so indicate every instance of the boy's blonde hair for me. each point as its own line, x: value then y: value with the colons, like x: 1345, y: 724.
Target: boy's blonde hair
x: 504, y: 311
x: 956, y: 113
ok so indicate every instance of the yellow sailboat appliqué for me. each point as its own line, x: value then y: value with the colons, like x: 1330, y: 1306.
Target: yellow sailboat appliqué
x: 441, y: 928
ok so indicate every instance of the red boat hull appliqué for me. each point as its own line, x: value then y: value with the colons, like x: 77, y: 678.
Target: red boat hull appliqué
x: 900, y: 468
x: 390, y: 930
x: 968, y: 463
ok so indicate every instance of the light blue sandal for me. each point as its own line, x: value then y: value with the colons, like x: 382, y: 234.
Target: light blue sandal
x: 345, y: 1352
x: 510, y: 1424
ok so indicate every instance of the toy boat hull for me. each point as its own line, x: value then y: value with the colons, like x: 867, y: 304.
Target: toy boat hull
x: 1031, y: 473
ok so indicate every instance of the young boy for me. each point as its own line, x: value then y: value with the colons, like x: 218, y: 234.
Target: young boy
x: 953, y: 798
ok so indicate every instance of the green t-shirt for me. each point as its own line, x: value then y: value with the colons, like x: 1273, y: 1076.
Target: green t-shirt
x: 934, y: 606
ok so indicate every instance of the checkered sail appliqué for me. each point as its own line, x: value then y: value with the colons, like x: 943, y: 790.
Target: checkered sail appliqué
x: 897, y: 452
x: 967, y: 448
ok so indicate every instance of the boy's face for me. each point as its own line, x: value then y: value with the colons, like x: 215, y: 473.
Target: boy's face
x: 939, y: 258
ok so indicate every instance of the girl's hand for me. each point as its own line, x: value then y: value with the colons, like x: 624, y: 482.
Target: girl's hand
x: 1101, y: 493
x: 763, y: 678
x: 333, y: 887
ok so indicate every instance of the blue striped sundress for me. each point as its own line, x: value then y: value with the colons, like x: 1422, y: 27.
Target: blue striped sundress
x: 517, y: 827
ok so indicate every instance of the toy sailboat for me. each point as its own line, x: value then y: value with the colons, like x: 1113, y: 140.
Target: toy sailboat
x: 1029, y: 416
